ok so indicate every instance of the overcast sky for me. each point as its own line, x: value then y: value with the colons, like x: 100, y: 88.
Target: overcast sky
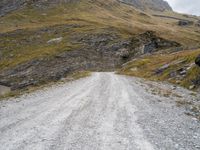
x: 186, y: 6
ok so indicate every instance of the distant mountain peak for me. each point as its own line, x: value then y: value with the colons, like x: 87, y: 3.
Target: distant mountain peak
x: 157, y: 5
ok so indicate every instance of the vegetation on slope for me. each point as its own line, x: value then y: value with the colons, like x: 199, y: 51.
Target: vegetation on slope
x: 24, y: 35
x: 177, y: 68
x: 91, y: 18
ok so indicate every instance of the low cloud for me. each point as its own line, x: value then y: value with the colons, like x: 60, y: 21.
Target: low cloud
x: 186, y: 6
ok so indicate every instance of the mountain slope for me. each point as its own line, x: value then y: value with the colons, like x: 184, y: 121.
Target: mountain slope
x: 94, y: 35
x: 177, y: 68
x: 157, y: 5
x: 7, y: 6
x: 10, y: 5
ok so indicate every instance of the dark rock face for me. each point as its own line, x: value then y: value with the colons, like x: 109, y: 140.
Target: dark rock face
x: 9, y: 5
x: 148, y: 42
x: 197, y: 61
x: 185, y: 23
x: 157, y: 5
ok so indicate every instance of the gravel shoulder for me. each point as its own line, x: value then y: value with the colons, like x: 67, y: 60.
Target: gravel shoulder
x: 101, y: 112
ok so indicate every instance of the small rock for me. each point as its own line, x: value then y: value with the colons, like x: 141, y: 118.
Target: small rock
x: 173, y: 74
x: 134, y: 69
x: 185, y: 23
x: 176, y: 146
x: 161, y: 69
x: 11, y: 55
x: 178, y: 82
x: 174, y: 87
x: 183, y: 72
x: 56, y: 40
x: 191, y: 87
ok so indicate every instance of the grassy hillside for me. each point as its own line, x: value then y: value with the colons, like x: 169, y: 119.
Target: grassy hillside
x: 177, y: 68
x: 91, y: 32
x: 99, y: 14
x: 91, y: 18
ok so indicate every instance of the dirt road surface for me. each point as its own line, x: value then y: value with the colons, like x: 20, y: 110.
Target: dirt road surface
x: 101, y: 112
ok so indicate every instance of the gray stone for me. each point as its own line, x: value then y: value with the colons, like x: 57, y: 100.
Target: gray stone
x: 178, y: 82
x: 185, y: 23
x: 183, y: 72
x: 161, y: 69
x: 192, y: 87
x: 149, y: 42
x: 56, y: 40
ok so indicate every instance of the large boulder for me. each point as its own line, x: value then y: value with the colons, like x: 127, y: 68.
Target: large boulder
x: 197, y: 61
x: 185, y: 23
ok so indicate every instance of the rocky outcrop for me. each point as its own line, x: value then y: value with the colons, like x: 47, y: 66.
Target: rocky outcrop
x: 157, y: 5
x: 10, y: 5
x: 149, y: 42
x: 185, y: 23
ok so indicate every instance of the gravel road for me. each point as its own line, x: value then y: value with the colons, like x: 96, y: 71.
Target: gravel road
x: 101, y: 112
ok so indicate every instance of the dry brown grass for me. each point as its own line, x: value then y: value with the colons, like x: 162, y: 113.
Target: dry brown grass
x: 110, y: 13
x: 96, y: 17
x: 146, y: 66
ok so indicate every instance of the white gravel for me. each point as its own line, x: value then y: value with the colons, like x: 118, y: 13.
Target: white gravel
x: 101, y: 112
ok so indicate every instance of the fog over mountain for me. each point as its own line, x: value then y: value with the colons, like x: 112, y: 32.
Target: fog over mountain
x: 186, y: 6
